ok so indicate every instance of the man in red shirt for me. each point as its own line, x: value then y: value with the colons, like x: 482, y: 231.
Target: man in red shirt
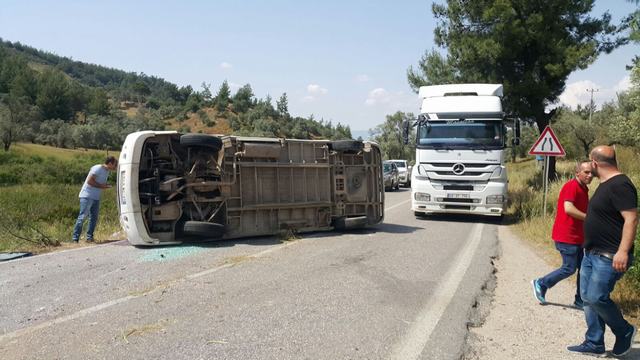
x: 568, y: 233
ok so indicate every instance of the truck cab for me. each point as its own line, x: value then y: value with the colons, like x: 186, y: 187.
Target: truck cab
x: 460, y: 158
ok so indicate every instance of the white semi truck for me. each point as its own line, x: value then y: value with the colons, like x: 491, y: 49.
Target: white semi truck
x: 460, y: 158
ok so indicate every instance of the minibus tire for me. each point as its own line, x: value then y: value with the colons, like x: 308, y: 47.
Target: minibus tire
x: 203, y: 140
x: 346, y: 223
x: 203, y: 229
x: 346, y: 145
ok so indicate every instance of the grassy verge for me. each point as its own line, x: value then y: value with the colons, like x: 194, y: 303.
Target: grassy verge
x: 39, y: 198
x: 526, y: 212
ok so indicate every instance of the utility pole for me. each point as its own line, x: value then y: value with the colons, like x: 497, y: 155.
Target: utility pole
x: 591, y: 105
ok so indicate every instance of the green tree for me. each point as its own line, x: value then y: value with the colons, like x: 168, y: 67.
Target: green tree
x: 341, y: 132
x: 530, y: 47
x: 624, y: 127
x: 206, y: 95
x: 142, y: 90
x: 25, y: 85
x: 222, y: 97
x: 633, y: 21
x: 389, y: 136
x: 574, y: 130
x: 15, y: 115
x: 99, y: 103
x: 282, y: 106
x: 433, y: 69
x: 243, y: 100
x: 53, y: 96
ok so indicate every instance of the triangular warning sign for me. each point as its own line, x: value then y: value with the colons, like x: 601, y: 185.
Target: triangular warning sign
x: 547, y: 144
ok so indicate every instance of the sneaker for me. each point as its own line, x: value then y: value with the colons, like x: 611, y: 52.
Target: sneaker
x: 538, y: 291
x: 578, y: 304
x: 586, y: 349
x: 623, y: 343
x: 90, y: 240
x: 74, y: 240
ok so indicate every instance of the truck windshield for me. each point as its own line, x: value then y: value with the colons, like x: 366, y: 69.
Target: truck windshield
x: 386, y: 168
x: 461, y: 133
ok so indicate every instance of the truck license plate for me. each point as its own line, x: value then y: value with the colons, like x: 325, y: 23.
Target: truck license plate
x: 458, y: 196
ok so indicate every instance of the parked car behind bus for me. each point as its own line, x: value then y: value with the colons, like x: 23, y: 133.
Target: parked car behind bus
x: 390, y: 173
x: 404, y: 173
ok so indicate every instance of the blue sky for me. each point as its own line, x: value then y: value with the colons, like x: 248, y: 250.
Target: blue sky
x: 343, y: 61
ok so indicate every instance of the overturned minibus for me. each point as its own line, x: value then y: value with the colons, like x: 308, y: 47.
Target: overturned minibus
x: 174, y: 188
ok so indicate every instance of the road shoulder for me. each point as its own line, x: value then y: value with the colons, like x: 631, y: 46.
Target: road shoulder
x: 517, y: 326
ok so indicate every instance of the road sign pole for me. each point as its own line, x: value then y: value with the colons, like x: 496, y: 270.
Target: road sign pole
x: 545, y: 181
x: 546, y: 145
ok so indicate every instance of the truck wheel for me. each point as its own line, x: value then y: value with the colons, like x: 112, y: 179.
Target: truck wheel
x: 346, y: 145
x: 203, y: 229
x: 345, y: 223
x: 212, y: 142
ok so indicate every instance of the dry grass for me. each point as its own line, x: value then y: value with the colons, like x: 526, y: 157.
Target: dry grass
x: 235, y: 260
x: 526, y: 197
x: 141, y: 330
x: 45, y: 151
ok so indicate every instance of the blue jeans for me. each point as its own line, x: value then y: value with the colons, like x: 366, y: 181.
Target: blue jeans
x: 571, y: 260
x: 87, y: 207
x: 597, y: 280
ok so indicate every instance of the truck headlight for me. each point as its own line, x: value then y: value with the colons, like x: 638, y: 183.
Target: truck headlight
x: 422, y: 196
x: 495, y: 199
x: 497, y: 173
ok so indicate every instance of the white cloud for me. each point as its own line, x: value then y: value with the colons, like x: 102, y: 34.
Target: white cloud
x: 363, y: 78
x: 315, y: 90
x: 579, y: 92
x: 378, y: 96
x: 576, y: 93
x: 623, y: 85
x: 225, y: 66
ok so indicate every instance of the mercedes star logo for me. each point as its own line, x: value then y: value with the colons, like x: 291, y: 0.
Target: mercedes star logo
x: 458, y: 169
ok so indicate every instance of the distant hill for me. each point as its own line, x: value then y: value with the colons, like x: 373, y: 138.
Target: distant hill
x: 54, y: 100
x: 114, y: 80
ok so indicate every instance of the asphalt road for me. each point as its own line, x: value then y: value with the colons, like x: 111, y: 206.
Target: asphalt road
x: 406, y: 289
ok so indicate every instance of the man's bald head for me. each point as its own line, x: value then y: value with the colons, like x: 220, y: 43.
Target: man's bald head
x: 605, y: 155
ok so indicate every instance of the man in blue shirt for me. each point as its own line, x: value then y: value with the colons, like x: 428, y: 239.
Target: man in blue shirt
x: 90, y: 196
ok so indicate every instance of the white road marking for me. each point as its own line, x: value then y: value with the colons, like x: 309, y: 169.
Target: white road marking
x: 411, y: 346
x: 17, y: 333
x: 396, y: 205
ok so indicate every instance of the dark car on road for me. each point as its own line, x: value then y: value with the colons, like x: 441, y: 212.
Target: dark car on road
x: 391, y: 173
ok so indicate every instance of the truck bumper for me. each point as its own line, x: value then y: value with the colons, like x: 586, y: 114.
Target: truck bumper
x: 458, y: 201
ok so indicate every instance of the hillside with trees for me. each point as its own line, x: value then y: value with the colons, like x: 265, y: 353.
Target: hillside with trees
x: 54, y: 100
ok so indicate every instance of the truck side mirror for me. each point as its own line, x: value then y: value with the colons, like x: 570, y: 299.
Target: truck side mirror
x: 405, y: 132
x: 516, y: 132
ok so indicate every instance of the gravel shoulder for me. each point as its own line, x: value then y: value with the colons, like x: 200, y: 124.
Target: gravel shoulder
x: 517, y: 326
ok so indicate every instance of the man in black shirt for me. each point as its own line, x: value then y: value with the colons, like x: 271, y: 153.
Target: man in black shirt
x: 609, y: 229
